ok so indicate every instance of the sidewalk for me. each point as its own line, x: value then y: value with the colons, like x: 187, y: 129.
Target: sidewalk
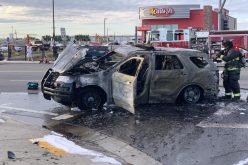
x: 15, y: 137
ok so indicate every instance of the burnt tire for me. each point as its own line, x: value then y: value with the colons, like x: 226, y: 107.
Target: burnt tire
x: 90, y: 99
x: 191, y: 94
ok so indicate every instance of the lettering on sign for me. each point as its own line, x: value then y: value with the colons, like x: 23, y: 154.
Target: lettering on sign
x: 161, y: 12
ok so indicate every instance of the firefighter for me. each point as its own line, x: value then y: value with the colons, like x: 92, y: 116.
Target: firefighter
x: 231, y: 73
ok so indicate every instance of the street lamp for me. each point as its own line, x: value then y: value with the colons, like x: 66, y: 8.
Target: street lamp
x: 54, y: 48
x: 221, y: 6
x: 104, y: 23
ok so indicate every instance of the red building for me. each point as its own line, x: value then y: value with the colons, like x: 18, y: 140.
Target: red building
x: 183, y: 17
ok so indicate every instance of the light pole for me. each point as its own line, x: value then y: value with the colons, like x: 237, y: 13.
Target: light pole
x: 104, y: 24
x: 221, y: 6
x: 54, y: 47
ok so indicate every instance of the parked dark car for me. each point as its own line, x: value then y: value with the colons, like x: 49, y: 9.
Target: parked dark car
x: 46, y: 46
x: 1, y: 56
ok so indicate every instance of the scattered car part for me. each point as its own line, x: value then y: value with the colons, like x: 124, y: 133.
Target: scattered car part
x: 11, y: 155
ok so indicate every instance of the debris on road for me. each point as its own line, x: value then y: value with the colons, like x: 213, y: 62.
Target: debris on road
x: 11, y: 155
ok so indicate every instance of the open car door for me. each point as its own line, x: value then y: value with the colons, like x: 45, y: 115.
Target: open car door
x: 124, y: 83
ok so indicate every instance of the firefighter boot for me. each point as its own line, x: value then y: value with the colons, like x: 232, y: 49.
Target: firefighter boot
x: 226, y: 97
x: 236, y: 98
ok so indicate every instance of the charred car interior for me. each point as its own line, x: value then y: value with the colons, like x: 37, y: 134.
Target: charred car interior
x: 89, y: 77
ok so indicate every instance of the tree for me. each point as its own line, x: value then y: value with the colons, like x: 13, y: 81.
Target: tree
x: 58, y: 38
x: 47, y: 38
x: 81, y: 37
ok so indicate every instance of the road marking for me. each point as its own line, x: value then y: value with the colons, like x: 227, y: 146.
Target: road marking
x: 219, y: 125
x: 20, y: 71
x: 63, y: 117
x: 25, y: 80
x: 28, y: 110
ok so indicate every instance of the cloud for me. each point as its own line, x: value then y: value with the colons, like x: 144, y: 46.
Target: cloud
x: 100, y: 5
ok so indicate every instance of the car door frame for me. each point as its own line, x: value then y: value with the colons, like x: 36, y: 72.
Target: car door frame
x: 165, y: 97
x: 124, y: 87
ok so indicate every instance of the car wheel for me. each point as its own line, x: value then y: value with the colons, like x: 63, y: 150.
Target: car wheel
x: 192, y: 94
x: 90, y: 99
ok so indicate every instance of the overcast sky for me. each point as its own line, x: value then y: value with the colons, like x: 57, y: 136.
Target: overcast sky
x: 86, y: 16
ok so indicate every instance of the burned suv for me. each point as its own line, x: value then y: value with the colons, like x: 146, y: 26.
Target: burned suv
x: 129, y: 77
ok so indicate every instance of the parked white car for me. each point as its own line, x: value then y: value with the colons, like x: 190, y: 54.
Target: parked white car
x: 18, y: 49
x: 4, y: 48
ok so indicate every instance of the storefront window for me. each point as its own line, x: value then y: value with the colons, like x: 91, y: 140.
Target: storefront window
x: 179, y: 35
x: 168, y: 27
x: 174, y: 26
x: 153, y: 27
x: 160, y: 26
x: 155, y: 36
x: 169, y: 35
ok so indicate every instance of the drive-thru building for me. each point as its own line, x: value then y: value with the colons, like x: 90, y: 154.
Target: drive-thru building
x: 185, y: 26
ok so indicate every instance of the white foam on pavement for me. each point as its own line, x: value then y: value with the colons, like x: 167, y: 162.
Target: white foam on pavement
x: 2, y: 121
x: 223, y: 112
x: 242, y: 162
x: 72, y: 148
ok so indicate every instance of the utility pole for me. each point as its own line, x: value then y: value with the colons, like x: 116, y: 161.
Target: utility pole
x: 136, y: 35
x: 12, y: 34
x: 221, y: 6
x: 107, y: 35
x: 104, y: 24
x: 54, y: 47
x: 16, y: 34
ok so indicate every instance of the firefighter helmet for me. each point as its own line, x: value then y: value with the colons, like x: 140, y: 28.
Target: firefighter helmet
x: 227, y: 43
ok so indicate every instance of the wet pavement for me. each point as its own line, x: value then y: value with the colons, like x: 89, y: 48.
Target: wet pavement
x: 207, y: 133
x: 30, y: 108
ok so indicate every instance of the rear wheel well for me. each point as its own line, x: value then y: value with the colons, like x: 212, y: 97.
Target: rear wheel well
x: 179, y: 97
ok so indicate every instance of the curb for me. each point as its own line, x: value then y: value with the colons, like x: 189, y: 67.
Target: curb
x: 17, y: 139
x: 123, y: 150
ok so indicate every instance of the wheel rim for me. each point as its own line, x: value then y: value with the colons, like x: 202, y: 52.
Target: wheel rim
x: 192, y: 94
x: 92, y: 100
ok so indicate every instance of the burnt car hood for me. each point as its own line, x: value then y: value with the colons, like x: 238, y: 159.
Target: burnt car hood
x: 69, y: 58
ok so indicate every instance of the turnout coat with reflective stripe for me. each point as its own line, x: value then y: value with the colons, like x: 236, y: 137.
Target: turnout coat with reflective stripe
x: 232, y: 65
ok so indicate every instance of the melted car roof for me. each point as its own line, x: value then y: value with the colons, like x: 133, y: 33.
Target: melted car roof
x: 127, y: 50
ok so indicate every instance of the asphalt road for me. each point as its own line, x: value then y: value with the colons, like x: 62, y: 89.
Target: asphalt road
x: 208, y: 133
x: 14, y: 77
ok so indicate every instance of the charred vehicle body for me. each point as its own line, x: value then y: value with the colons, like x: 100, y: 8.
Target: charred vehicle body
x: 141, y: 76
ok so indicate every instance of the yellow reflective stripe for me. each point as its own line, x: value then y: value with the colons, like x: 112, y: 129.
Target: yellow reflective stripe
x: 228, y: 94
x: 230, y: 69
x: 236, y: 94
x: 236, y: 59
